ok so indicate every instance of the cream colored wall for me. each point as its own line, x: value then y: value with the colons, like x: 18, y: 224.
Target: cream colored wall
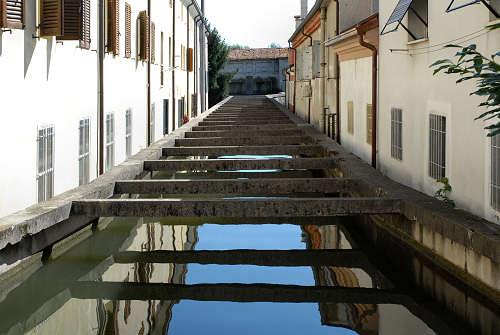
x: 355, y: 86
x: 406, y: 82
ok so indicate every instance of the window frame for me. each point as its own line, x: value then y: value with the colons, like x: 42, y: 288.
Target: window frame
x: 84, y: 151
x: 110, y: 141
x: 495, y: 173
x: 45, y: 162
x: 437, y: 146
x: 397, y: 133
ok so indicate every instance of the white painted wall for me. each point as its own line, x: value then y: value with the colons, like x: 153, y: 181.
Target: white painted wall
x: 406, y: 82
x: 49, y: 83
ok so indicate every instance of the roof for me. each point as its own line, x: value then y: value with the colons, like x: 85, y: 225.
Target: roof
x: 265, y: 53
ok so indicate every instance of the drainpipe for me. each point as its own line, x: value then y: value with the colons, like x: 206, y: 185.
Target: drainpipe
x: 310, y: 98
x: 322, y: 93
x: 100, y: 89
x: 337, y: 71
x: 173, y: 65
x: 374, y: 96
x: 148, y: 85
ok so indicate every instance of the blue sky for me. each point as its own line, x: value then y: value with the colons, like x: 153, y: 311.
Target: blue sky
x: 256, y: 23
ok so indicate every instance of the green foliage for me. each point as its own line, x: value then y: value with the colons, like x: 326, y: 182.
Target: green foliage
x: 239, y: 47
x: 470, y: 64
x: 218, y: 81
x: 443, y: 193
x: 274, y: 45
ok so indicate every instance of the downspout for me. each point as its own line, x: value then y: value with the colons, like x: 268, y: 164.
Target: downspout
x: 173, y: 65
x: 310, y: 98
x: 337, y: 72
x: 322, y: 93
x: 374, y: 96
x: 100, y: 89
x: 148, y: 84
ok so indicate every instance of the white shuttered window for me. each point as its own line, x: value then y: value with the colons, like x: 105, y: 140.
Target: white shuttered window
x: 84, y: 152
x: 110, y: 141
x: 437, y: 146
x: 45, y: 164
x: 495, y: 172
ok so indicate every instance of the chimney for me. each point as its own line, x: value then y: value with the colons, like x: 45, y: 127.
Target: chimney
x: 298, y: 21
x: 303, y: 9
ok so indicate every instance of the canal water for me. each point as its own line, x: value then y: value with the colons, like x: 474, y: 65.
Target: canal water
x: 112, y: 281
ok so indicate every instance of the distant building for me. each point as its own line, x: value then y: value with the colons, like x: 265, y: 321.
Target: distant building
x: 259, y: 71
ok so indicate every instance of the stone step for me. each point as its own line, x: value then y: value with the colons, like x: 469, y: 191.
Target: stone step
x: 253, y: 207
x: 246, y: 174
x: 243, y: 122
x: 233, y: 134
x: 237, y: 141
x: 239, y: 164
x: 237, y: 186
x: 245, y: 119
x: 255, y: 128
x: 307, y: 150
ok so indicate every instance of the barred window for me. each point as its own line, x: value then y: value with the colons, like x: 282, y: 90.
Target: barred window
x: 45, y: 168
x: 110, y: 141
x: 397, y: 133
x: 128, y: 133
x: 437, y: 146
x: 152, y: 123
x: 495, y: 172
x: 84, y: 152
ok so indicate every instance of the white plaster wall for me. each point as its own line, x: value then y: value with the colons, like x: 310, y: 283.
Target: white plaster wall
x: 355, y: 86
x: 407, y: 82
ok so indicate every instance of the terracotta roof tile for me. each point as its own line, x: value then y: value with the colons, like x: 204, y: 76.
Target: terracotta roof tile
x: 265, y: 53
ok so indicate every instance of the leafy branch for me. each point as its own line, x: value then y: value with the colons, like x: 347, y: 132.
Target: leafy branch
x: 470, y: 64
x: 443, y: 193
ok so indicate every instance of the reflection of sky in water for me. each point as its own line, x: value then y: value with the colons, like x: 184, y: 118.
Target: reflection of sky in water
x: 255, y: 157
x: 251, y: 171
x: 221, y: 318
x: 259, y: 237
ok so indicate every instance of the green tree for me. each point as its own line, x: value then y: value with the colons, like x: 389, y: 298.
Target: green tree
x: 218, y: 81
x: 472, y: 65
x: 274, y: 45
x: 239, y: 47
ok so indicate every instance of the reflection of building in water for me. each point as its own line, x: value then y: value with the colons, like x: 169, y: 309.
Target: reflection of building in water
x: 132, y: 316
x: 362, y: 318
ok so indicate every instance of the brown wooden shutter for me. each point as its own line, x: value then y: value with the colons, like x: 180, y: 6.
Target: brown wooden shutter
x: 50, y: 18
x: 128, y: 35
x: 85, y: 26
x: 153, y: 50
x: 144, y: 36
x: 12, y: 14
x: 190, y: 59
x: 113, y: 27
x: 71, y: 20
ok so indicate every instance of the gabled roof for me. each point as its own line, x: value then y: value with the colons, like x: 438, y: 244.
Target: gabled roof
x: 264, y: 53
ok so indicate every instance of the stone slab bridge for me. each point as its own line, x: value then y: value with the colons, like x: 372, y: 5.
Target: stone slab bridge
x: 307, y: 175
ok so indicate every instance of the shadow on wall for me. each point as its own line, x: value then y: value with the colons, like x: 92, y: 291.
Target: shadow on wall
x: 49, y: 55
x: 29, y: 31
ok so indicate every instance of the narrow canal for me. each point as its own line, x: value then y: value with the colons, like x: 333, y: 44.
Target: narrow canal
x: 237, y: 275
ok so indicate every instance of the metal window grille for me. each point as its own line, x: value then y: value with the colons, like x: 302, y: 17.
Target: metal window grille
x: 350, y: 117
x: 180, y: 111
x: 45, y: 168
x: 110, y: 141
x: 495, y: 172
x: 397, y: 133
x: 84, y: 152
x: 152, y: 123
x: 166, y: 107
x: 437, y: 146
x: 128, y: 133
x: 369, y: 117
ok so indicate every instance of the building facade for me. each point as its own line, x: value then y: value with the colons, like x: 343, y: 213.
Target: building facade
x: 370, y: 87
x: 92, y: 87
x: 257, y: 71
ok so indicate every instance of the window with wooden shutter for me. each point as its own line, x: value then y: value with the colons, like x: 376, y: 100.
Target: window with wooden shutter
x: 143, y: 36
x: 71, y: 20
x: 113, y: 45
x: 128, y: 31
x: 12, y: 14
x: 50, y: 18
x: 153, y: 44
x: 190, y: 59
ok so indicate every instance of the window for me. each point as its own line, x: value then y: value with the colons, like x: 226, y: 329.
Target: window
x: 369, y: 128
x: 84, y: 152
x: 110, y: 141
x: 165, y: 116
x: 437, y: 146
x: 170, y: 51
x: 183, y: 57
x: 182, y: 12
x: 495, y: 172
x: 397, y: 133
x: 417, y: 19
x: 180, y: 110
x: 153, y: 44
x: 113, y: 31
x: 45, y: 168
x: 66, y: 19
x: 152, y: 123
x: 128, y: 31
x: 161, y: 60
x: 171, y: 3
x: 12, y: 14
x: 495, y: 5
x: 128, y: 133
x: 350, y: 117
x: 143, y: 36
x: 190, y: 60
